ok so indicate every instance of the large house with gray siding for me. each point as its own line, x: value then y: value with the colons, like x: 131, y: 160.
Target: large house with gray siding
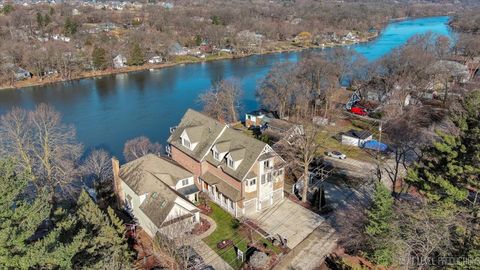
x: 240, y: 173
x: 157, y: 191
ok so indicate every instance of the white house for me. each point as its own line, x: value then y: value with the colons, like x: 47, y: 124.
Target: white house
x: 155, y: 60
x: 356, y: 137
x: 119, y: 61
x: 157, y: 192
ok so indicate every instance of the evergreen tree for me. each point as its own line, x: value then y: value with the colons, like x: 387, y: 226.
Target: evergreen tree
x: 70, y: 27
x: 46, y: 20
x: 39, y: 19
x: 136, y: 55
x: 82, y: 238
x: 378, y: 229
x: 198, y: 40
x: 99, y: 58
x: 451, y: 166
x: 106, y: 247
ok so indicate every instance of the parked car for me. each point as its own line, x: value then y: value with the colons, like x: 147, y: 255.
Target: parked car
x: 359, y: 111
x: 336, y: 154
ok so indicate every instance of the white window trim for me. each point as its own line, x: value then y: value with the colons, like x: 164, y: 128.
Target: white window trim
x: 230, y: 160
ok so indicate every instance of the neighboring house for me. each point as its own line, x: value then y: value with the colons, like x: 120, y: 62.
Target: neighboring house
x: 21, y: 74
x: 356, y: 137
x: 257, y: 118
x: 176, y: 49
x: 454, y: 70
x: 156, y: 191
x: 241, y: 174
x: 155, y: 60
x: 119, y: 61
x: 278, y: 129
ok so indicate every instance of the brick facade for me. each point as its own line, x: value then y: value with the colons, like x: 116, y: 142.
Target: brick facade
x: 189, y: 163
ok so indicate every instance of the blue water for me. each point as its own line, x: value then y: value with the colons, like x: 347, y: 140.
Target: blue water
x: 109, y: 110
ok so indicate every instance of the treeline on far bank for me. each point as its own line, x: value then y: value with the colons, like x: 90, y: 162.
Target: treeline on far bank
x: 65, y: 40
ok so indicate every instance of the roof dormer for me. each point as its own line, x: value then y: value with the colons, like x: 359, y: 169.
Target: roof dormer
x: 235, y: 157
x: 220, y: 149
x: 191, y: 137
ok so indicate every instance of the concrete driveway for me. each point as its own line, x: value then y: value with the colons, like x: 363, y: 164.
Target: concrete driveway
x: 288, y: 219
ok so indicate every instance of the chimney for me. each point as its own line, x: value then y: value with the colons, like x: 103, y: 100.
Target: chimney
x: 117, y: 186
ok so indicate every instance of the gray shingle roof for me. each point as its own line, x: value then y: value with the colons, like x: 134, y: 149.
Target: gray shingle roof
x: 225, y: 188
x: 210, y: 131
x: 359, y: 134
x: 150, y: 166
x: 242, y: 147
x: 154, y: 175
x: 238, y: 144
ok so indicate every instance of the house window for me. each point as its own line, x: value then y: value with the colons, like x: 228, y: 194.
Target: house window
x: 216, y: 155
x: 231, y: 204
x: 252, y: 182
x: 185, y: 182
x: 186, y: 143
x: 230, y: 163
x: 266, y: 164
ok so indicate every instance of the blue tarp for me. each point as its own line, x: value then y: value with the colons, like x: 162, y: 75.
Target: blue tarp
x: 375, y: 145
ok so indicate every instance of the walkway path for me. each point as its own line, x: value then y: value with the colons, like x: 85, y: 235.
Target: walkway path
x: 206, y: 252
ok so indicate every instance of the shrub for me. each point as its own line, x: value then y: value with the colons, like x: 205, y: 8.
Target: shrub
x: 235, y: 223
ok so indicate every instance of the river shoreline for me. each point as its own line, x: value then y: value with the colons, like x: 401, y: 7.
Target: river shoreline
x: 108, y: 72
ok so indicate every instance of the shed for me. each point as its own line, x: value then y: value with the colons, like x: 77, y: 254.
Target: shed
x: 356, y: 137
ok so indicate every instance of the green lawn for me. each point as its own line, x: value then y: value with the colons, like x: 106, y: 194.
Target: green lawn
x: 225, y: 231
x: 327, y: 141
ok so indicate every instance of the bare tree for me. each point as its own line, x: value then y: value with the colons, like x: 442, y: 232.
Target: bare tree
x: 98, y: 164
x: 406, y: 135
x: 176, y: 240
x: 277, y: 89
x: 300, y: 150
x: 222, y: 100
x: 42, y: 144
x: 423, y: 234
x: 139, y: 147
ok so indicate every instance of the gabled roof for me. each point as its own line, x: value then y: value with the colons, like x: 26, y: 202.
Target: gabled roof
x: 263, y: 112
x: 147, y: 170
x: 223, y: 146
x: 237, y: 154
x: 359, y: 134
x: 194, y: 133
x: 226, y: 139
x: 225, y: 188
x: 153, y: 175
x: 211, y: 129
x: 242, y: 147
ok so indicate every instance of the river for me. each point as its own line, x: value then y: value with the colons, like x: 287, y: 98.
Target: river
x: 107, y: 111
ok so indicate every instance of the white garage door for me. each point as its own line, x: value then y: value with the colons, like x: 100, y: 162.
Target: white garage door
x: 250, y: 206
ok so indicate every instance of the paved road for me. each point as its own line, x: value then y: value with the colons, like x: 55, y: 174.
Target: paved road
x: 362, y: 169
